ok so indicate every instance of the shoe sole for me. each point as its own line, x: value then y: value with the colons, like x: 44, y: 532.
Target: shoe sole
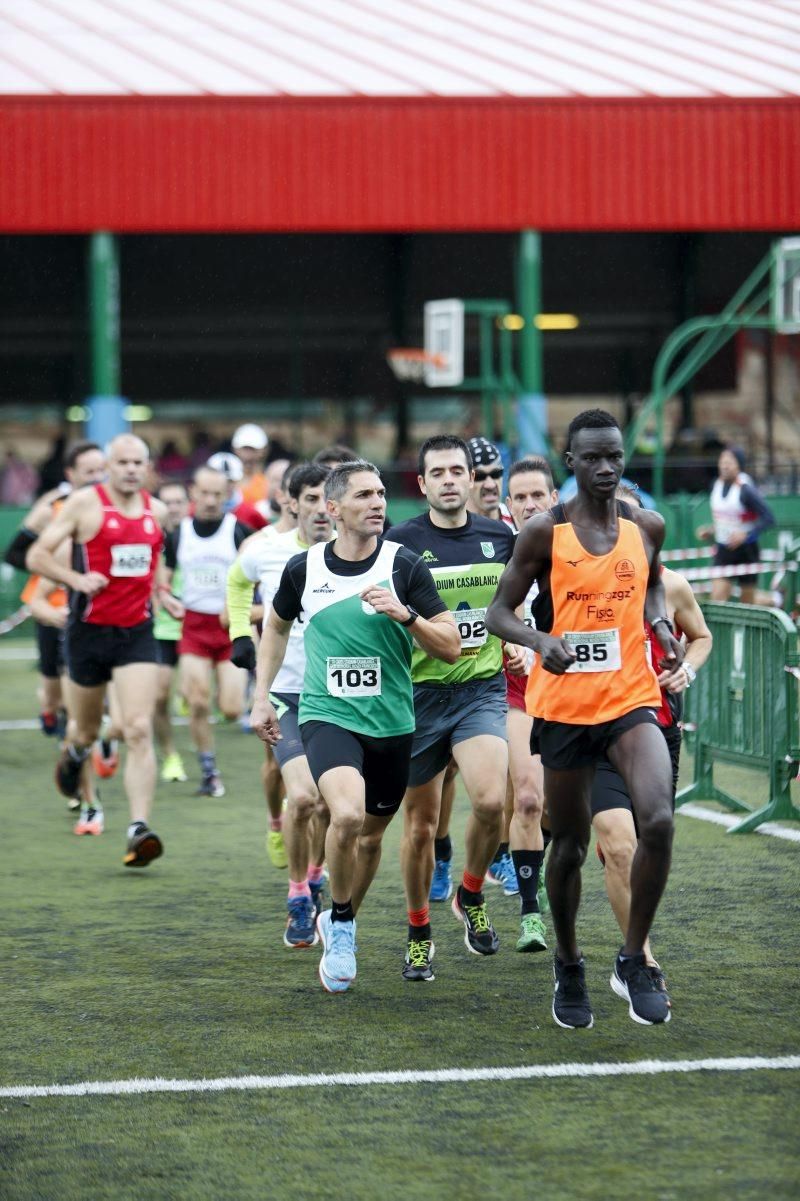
x: 457, y: 913
x: 91, y: 829
x: 568, y: 1025
x: 297, y: 946
x: 441, y: 900
x: 149, y: 848
x: 531, y: 947
x: 620, y: 988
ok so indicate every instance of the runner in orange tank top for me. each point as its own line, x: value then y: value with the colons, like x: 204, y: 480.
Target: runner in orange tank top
x: 594, y: 693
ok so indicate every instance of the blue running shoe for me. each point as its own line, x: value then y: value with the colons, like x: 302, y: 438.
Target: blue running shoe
x: 510, y: 885
x: 317, y: 896
x: 337, y: 967
x: 300, y: 928
x: 442, y: 882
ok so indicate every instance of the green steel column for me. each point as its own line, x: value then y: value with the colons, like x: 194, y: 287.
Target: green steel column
x: 106, y: 405
x: 532, y: 405
x: 529, y: 305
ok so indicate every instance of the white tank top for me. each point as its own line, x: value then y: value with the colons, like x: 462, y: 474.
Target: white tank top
x: 204, y: 564
x: 728, y: 513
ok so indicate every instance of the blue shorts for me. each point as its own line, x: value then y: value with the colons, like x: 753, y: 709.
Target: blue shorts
x: 449, y: 714
x: 290, y: 745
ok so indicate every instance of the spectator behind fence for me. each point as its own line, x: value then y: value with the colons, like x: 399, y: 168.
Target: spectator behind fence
x: 739, y: 516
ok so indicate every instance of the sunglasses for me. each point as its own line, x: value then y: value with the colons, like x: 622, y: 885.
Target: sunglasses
x: 495, y: 474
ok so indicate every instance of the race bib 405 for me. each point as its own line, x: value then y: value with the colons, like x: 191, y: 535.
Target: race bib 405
x: 131, y: 560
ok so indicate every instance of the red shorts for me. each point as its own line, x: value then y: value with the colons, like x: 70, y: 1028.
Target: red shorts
x: 203, y: 635
x: 515, y: 691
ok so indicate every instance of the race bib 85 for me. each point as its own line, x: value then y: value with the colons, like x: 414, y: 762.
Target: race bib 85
x: 596, y: 650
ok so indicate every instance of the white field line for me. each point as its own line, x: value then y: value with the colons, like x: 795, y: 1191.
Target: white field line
x: 553, y: 1071
x: 730, y: 819
x: 10, y: 654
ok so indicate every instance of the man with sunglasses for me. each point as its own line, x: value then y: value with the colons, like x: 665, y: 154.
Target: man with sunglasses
x: 487, y: 482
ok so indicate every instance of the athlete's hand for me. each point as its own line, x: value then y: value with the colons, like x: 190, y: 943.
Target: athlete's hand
x: 244, y: 652
x: 56, y: 617
x: 674, y: 651
x: 384, y: 601
x: 89, y: 582
x: 557, y: 655
x: 673, y: 679
x: 515, y: 659
x: 735, y: 539
x: 264, y: 720
x: 705, y: 533
x: 174, y: 607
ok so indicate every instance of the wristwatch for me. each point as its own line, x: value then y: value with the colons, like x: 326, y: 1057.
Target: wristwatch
x: 662, y: 620
x: 412, y: 616
x: 691, y: 674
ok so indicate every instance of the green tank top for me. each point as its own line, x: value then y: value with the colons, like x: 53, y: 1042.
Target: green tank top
x: 358, y: 662
x: 166, y: 627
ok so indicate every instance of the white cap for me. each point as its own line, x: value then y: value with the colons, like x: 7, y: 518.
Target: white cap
x: 228, y: 465
x: 250, y: 435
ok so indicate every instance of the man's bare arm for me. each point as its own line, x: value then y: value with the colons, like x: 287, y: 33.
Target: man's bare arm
x: 271, y: 652
x: 689, y: 616
x: 41, y: 557
x: 655, y: 605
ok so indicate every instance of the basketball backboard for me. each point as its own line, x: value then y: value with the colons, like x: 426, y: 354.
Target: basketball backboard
x: 444, y: 340
x: 786, y: 286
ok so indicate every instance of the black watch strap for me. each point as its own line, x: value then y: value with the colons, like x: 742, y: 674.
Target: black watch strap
x: 412, y: 616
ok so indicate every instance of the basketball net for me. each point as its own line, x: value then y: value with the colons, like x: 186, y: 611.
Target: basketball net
x: 409, y: 363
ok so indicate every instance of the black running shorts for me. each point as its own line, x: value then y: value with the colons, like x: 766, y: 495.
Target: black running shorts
x: 93, y: 651
x: 564, y: 746
x: 726, y: 556
x: 167, y: 649
x: 290, y: 747
x: 50, y: 641
x: 608, y: 788
x: 383, y: 762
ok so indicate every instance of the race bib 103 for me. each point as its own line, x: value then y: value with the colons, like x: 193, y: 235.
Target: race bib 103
x: 354, y: 677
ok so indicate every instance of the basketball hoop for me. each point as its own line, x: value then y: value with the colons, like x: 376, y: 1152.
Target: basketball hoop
x: 409, y: 363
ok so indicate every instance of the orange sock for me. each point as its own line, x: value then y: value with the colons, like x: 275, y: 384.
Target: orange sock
x: 419, y: 917
x: 472, y: 883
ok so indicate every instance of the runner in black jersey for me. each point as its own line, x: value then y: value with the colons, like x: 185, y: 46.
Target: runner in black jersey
x: 460, y: 708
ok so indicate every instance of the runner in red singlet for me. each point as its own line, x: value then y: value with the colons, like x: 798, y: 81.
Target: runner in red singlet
x: 117, y: 539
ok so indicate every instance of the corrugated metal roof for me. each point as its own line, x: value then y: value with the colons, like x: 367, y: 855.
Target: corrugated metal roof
x: 404, y: 48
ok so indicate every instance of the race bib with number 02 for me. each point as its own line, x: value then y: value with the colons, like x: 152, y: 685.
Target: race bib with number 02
x: 471, y: 626
x: 131, y: 560
x: 595, y: 650
x: 354, y: 677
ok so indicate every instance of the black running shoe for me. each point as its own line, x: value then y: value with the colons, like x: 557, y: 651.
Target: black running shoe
x: 143, y: 847
x: 417, y: 964
x: 68, y: 773
x: 637, y: 984
x: 571, y: 1006
x: 480, y: 936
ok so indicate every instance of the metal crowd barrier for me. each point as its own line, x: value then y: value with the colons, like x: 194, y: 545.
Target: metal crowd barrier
x: 743, y: 709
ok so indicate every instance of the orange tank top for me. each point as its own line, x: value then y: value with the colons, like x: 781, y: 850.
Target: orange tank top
x: 598, y: 608
x: 58, y: 597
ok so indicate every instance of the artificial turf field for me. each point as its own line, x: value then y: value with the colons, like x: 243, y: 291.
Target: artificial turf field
x: 179, y: 972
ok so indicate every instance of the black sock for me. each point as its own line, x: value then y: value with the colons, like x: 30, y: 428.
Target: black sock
x: 443, y: 848
x: 419, y: 933
x: 469, y: 898
x: 528, y: 865
x: 342, y: 911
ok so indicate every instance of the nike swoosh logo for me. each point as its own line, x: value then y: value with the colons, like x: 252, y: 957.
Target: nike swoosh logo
x: 381, y: 805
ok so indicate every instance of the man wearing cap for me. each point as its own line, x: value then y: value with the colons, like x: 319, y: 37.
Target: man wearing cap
x: 487, y: 482
x: 739, y: 515
x: 231, y: 467
x: 250, y: 445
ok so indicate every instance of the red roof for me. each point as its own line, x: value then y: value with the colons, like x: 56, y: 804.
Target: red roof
x: 140, y: 115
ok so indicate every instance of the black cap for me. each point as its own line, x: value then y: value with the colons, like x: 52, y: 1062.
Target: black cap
x: 483, y: 452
